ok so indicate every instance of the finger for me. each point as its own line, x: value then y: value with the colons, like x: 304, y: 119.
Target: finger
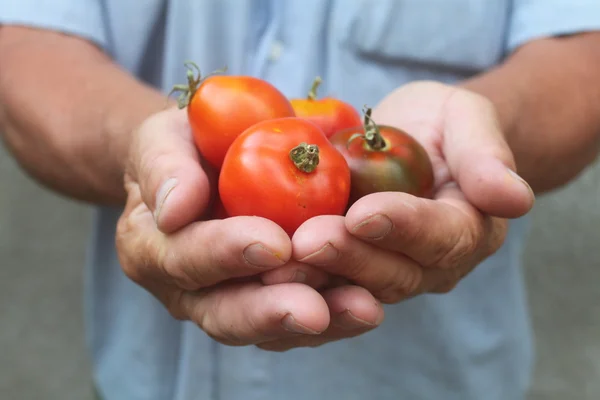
x: 479, y: 158
x: 201, y: 254
x: 442, y: 281
x: 249, y: 313
x: 325, y: 242
x: 295, y: 271
x: 444, y: 232
x: 353, y: 311
x: 165, y: 163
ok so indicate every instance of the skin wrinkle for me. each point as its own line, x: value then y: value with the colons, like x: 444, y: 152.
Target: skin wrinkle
x: 404, y: 282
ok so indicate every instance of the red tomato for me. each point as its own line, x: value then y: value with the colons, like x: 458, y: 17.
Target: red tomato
x: 285, y: 170
x: 221, y: 107
x: 329, y: 113
x: 383, y: 158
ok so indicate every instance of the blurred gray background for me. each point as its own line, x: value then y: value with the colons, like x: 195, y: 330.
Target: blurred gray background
x: 42, y: 244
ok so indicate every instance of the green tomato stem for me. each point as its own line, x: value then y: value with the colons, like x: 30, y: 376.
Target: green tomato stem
x: 372, y: 136
x: 305, y: 157
x: 312, y: 95
x: 372, y: 133
x: 194, y: 79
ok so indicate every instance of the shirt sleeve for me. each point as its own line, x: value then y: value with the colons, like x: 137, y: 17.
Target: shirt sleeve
x: 533, y: 19
x: 83, y: 18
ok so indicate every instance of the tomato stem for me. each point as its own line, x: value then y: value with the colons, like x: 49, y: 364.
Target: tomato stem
x: 194, y: 79
x: 312, y: 95
x: 305, y: 157
x: 372, y: 134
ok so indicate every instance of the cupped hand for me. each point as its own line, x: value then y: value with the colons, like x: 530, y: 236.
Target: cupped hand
x: 202, y: 269
x: 396, y: 245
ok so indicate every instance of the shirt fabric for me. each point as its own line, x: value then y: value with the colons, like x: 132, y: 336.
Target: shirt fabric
x: 473, y: 343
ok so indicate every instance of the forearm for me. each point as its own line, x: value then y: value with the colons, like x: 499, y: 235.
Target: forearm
x: 66, y: 112
x: 548, y: 99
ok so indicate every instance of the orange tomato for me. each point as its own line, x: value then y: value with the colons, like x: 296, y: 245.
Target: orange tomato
x: 220, y: 107
x: 329, y: 113
x: 284, y: 170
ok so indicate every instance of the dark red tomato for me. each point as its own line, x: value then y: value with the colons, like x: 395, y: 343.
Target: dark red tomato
x: 329, y: 113
x: 383, y: 158
x: 284, y: 170
x: 220, y: 107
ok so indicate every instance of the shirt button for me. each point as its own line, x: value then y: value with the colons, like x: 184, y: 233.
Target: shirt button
x: 276, y: 50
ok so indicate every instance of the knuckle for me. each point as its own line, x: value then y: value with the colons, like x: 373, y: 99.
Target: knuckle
x: 170, y: 263
x: 496, y: 236
x: 444, y: 288
x: 465, y: 246
x: 132, y: 261
x: 226, y: 339
x: 438, y: 253
x: 173, y: 303
x: 449, y: 279
x: 405, y: 282
x: 178, y: 269
x: 211, y: 322
x: 356, y: 265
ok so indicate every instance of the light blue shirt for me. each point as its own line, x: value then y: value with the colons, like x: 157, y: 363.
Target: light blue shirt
x: 471, y: 344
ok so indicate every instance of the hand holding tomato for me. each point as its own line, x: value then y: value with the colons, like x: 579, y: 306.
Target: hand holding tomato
x: 398, y: 245
x: 208, y: 270
x: 201, y: 269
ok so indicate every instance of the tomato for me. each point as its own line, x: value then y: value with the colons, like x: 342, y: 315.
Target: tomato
x: 284, y: 170
x: 329, y: 113
x: 220, y: 107
x: 383, y: 158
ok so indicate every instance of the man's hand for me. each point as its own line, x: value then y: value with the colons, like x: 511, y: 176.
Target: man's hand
x: 207, y: 270
x: 398, y: 246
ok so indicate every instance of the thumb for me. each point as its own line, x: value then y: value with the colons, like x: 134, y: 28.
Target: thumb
x: 480, y: 159
x: 165, y: 164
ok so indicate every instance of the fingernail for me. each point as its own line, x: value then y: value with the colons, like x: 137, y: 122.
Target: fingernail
x: 258, y: 255
x: 375, y: 227
x: 290, y: 324
x: 161, y: 196
x: 347, y: 320
x: 522, y: 181
x: 324, y: 255
x: 299, y: 277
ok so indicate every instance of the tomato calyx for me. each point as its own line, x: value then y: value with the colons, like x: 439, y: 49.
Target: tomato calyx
x: 305, y: 157
x: 194, y: 79
x: 372, y: 136
x: 312, y: 94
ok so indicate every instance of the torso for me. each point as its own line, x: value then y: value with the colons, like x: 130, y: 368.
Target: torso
x: 471, y: 344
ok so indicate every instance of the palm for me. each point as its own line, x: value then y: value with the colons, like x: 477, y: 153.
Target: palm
x: 460, y: 132
x: 397, y: 245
